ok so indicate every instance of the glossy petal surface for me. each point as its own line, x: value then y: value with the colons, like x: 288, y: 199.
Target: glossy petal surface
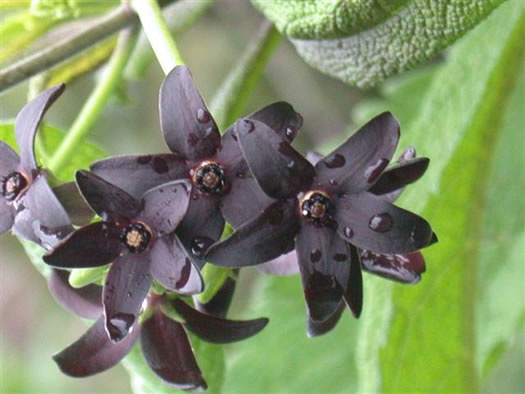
x: 173, y: 268
x: 356, y: 164
x: 354, y: 290
x: 7, y: 215
x: 40, y: 217
x: 399, y: 175
x: 264, y: 238
x: 135, y: 174
x: 85, y: 302
x: 94, y: 352
x: 127, y: 285
x: 93, y: 245
x: 217, y: 330
x: 188, y: 127
x: 380, y: 226
x: 285, y: 264
x: 280, y: 170
x: 220, y: 302
x: 324, y: 261
x: 167, y: 350
x: 71, y: 200
x: 27, y: 121
x: 107, y: 200
x: 317, y: 328
x: 404, y: 268
x: 9, y: 160
x: 164, y: 206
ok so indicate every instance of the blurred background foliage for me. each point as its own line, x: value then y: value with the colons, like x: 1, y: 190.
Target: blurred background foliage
x: 460, y: 330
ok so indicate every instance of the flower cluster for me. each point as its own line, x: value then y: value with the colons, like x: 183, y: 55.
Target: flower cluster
x: 161, y: 217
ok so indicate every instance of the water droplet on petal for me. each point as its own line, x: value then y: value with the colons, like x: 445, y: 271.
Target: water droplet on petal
x: 241, y: 174
x: 335, y: 161
x: 184, y: 275
x: 332, y: 182
x: 373, y: 171
x: 129, y: 294
x: 340, y: 257
x: 159, y: 165
x: 348, y: 232
x: 199, y: 245
x: 144, y: 159
x: 203, y: 116
x: 119, y: 325
x: 234, y: 136
x: 248, y: 125
x: 315, y: 255
x: 291, y: 164
x: 291, y: 132
x: 381, y: 223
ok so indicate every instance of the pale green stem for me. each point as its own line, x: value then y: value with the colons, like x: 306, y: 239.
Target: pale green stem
x: 158, y: 34
x: 96, y: 101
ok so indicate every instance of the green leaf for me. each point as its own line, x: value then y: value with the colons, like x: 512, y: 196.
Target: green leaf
x: 65, y: 9
x: 51, y: 138
x: 214, y: 277
x: 364, y: 42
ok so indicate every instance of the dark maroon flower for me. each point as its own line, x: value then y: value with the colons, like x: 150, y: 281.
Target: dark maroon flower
x: 164, y: 342
x: 327, y: 212
x: 137, y: 236
x: 221, y: 181
x: 28, y: 206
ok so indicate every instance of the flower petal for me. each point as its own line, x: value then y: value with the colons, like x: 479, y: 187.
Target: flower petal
x: 188, y: 127
x: 324, y: 262
x: 9, y: 160
x: 220, y: 302
x: 27, y: 121
x: 404, y: 268
x: 40, y: 217
x: 94, y: 352
x: 167, y: 350
x: 107, y: 200
x: 173, y: 268
x: 164, y: 206
x: 400, y: 175
x: 285, y: 264
x: 279, y: 169
x: 216, y: 330
x: 317, y: 328
x: 135, y: 174
x: 370, y: 223
x: 94, y: 245
x: 7, y: 215
x: 264, y: 238
x: 354, y: 290
x: 85, y: 302
x: 127, y: 285
x: 356, y: 164
x: 202, y: 225
x: 71, y: 200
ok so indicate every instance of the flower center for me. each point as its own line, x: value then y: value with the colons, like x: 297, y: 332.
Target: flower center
x: 209, y: 178
x: 13, y: 185
x: 317, y: 208
x: 136, y: 237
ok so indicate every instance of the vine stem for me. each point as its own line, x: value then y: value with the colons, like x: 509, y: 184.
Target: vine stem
x: 97, y: 100
x: 158, y: 34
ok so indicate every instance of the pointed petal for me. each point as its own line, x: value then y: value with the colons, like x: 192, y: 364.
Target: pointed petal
x: 202, y: 225
x: 379, y: 226
x: 324, y: 262
x: 264, y: 238
x: 71, y: 200
x: 93, y: 245
x: 94, y: 352
x: 214, y: 329
x: 167, y: 350
x: 7, y: 215
x: 40, y: 217
x: 107, y: 200
x: 85, y: 302
x: 280, y: 170
x: 400, y: 175
x: 135, y: 174
x: 164, y: 206
x: 354, y: 291
x: 220, y: 302
x: 173, y: 268
x: 27, y: 121
x: 356, y: 164
x: 285, y: 264
x: 317, y: 328
x: 188, y: 127
x: 127, y: 285
x: 9, y: 160
x: 404, y: 268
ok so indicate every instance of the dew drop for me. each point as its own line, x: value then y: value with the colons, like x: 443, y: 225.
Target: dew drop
x: 340, y: 257
x: 129, y: 294
x: 144, y: 159
x: 348, y: 232
x: 381, y: 223
x: 335, y: 161
x: 332, y: 182
x: 119, y: 324
x: 184, y: 275
x: 203, y: 116
x: 241, y: 174
x: 161, y: 190
x: 291, y: 164
x: 248, y: 125
x: 315, y: 255
x: 291, y: 132
x: 234, y: 136
x: 208, y: 132
x: 159, y: 165
x: 199, y: 245
x: 373, y: 172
